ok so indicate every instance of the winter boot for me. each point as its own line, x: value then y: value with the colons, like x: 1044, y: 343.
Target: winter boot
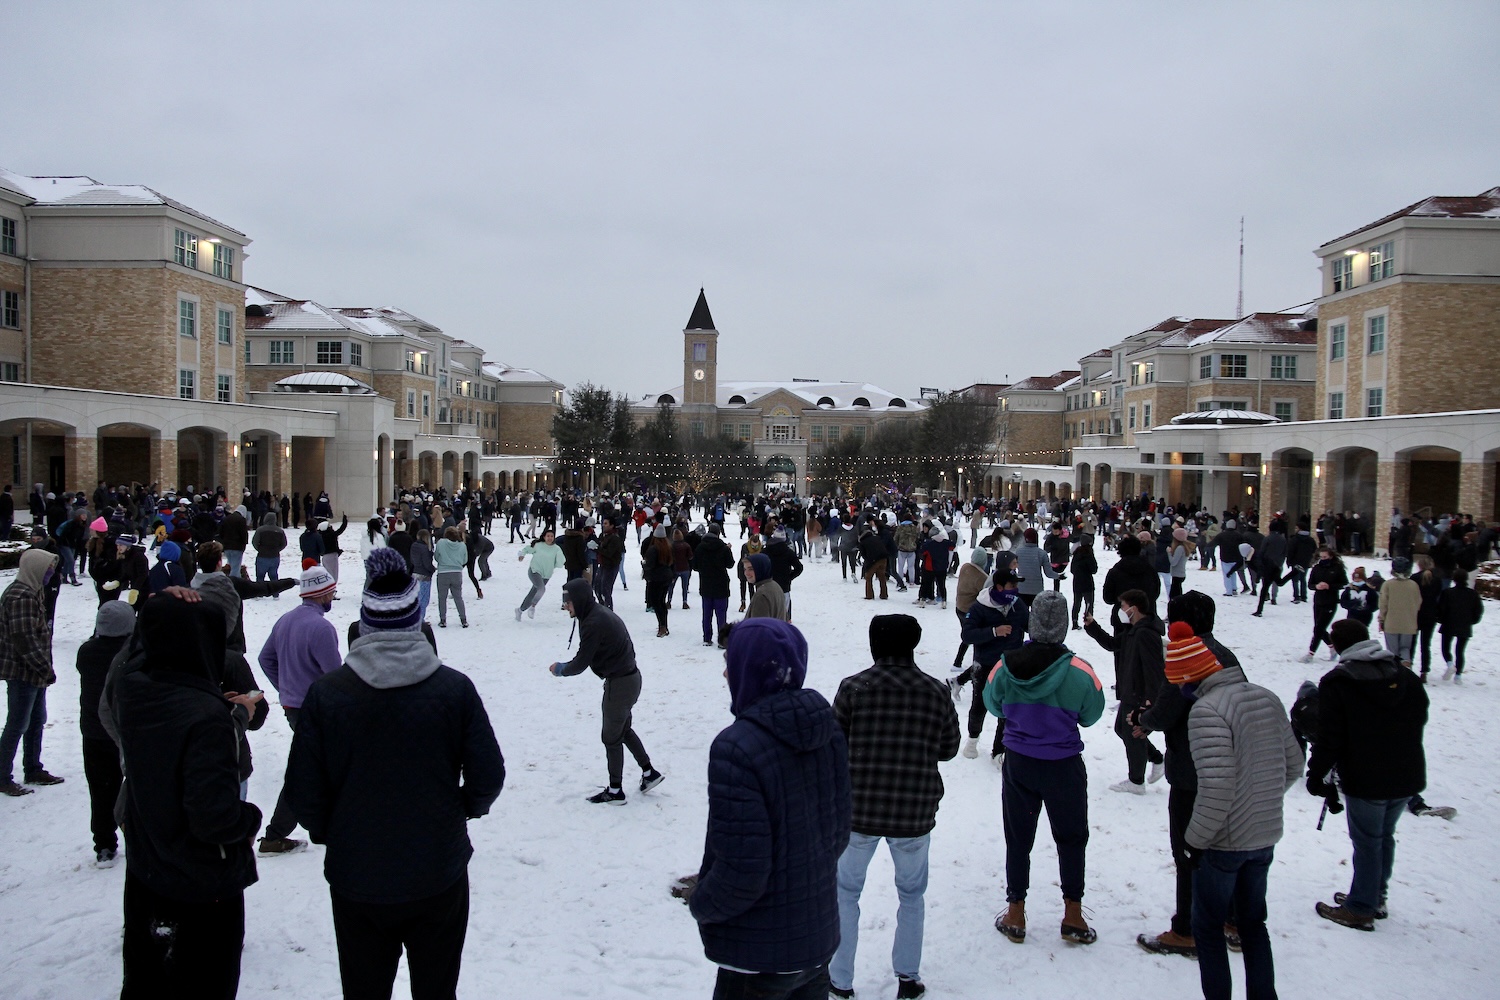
x: 1381, y: 913
x: 971, y: 747
x: 1342, y: 915
x: 286, y: 845
x: 1012, y: 923
x: 1169, y: 943
x: 1074, y: 927
x: 909, y: 989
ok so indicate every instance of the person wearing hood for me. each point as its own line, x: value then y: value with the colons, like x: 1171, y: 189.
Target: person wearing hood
x: 933, y: 556
x: 393, y: 755
x: 1138, y: 676
x: 973, y: 577
x: 168, y: 569
x: 113, y: 625
x: 1246, y: 758
x: 779, y: 813
x: 1459, y: 609
x: 995, y: 622
x: 1082, y: 568
x: 1228, y: 543
x: 1371, y: 714
x: 26, y: 668
x: 752, y: 546
x: 310, y: 544
x: 873, y: 555
x: 303, y: 646
x: 604, y: 647
x: 330, y: 537
x: 785, y: 566
x: 899, y: 723
x: 268, y: 541
x: 767, y: 600
x: 1045, y: 692
x: 239, y: 684
x: 188, y: 858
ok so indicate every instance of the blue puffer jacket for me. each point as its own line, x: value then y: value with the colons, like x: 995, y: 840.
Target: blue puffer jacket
x: 778, y: 819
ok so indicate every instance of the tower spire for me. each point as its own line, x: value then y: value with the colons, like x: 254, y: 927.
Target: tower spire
x: 701, y: 319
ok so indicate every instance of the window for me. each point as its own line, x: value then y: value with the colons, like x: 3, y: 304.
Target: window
x: 223, y: 261
x: 281, y: 352
x: 1374, y: 402
x: 1206, y: 366
x: 12, y: 310
x: 697, y: 429
x: 187, y: 318
x: 1382, y: 261
x: 1117, y: 425
x: 1336, y: 342
x: 426, y: 404
x: 1234, y: 365
x: 700, y: 352
x: 1146, y: 416
x: 442, y: 413
x: 356, y: 354
x: 1143, y: 373
x: 1132, y: 418
x: 744, y: 432
x: 185, y: 249
x: 859, y: 434
x: 8, y: 236
x: 1284, y: 411
x: 833, y: 434
x: 186, y: 384
x: 225, y: 388
x: 1343, y: 273
x: 411, y: 403
x: 226, y: 326
x: 247, y: 350
x: 1375, y: 342
x: 817, y: 432
x: 330, y: 352
x: 10, y: 372
x: 1335, y: 406
x: 1283, y: 366
x: 443, y: 382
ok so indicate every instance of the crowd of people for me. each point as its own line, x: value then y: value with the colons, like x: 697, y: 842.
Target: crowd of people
x: 801, y: 791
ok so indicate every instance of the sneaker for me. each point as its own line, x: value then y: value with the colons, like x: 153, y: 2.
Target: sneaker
x: 607, y: 797
x: 1441, y: 812
x: 15, y: 790
x: 463, y: 623
x: 442, y: 624
x: 650, y: 779
x: 531, y: 611
x: 1458, y: 680
x: 104, y: 857
x: 1448, y: 673
x: 43, y: 778
x: 1157, y: 770
x: 1305, y: 658
x: 1168, y: 944
x: 1344, y: 917
x: 286, y: 845
x: 908, y: 989
x: 1381, y: 913
x: 971, y: 747
x: 1129, y: 787
x: 841, y: 992
x: 518, y: 614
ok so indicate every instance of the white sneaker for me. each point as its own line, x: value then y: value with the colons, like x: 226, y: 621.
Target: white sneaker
x: 1333, y: 654
x: 971, y: 747
x: 531, y: 611
x: 1448, y: 674
x: 1458, y: 679
x: 1128, y: 786
x: 1157, y: 770
x: 518, y: 614
x: 1305, y: 658
x: 999, y: 761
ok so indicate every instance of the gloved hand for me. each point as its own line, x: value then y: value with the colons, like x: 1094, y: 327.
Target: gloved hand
x: 1318, y: 787
x: 281, y: 586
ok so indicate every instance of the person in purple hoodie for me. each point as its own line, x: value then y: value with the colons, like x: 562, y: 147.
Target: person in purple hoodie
x: 302, y: 647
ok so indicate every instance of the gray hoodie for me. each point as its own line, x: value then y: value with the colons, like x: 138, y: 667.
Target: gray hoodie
x: 391, y: 659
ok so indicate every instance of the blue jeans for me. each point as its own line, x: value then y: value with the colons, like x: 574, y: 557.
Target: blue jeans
x: 809, y: 984
x: 267, y: 567
x: 1239, y: 876
x: 233, y: 558
x: 67, y: 563
x: 1228, y: 572
x: 424, y: 597
x: 909, y: 855
x: 1372, y: 828
x: 25, y: 717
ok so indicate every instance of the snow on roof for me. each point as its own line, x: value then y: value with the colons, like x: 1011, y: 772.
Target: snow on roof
x: 1224, y: 417
x: 324, y: 382
x: 294, y: 314
x: 1485, y: 205
x: 506, y: 373
x: 1046, y: 383
x: 841, y: 395
x: 81, y: 190
x: 388, y: 313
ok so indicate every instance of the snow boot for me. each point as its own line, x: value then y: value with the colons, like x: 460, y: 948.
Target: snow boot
x: 270, y: 846
x: 1168, y: 943
x: 1012, y: 923
x: 1232, y: 938
x: 1074, y: 927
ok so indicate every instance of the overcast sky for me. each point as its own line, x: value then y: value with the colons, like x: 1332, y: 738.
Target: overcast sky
x: 918, y: 194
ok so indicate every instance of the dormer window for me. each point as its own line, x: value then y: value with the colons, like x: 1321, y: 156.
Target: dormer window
x: 736, y: 400
x: 826, y: 402
x: 861, y: 401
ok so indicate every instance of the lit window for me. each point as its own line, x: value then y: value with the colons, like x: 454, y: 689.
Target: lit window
x: 1234, y: 365
x: 1343, y: 273
x: 1382, y: 261
x: 281, y: 352
x: 356, y: 354
x: 185, y: 249
x: 1374, y: 402
x: 225, y: 389
x: 1284, y: 411
x: 8, y: 236
x: 223, y: 261
x: 1376, y: 340
x: 186, y: 384
x: 226, y: 326
x: 1336, y: 342
x: 12, y: 310
x: 330, y: 352
x: 187, y: 318
x: 1335, y: 406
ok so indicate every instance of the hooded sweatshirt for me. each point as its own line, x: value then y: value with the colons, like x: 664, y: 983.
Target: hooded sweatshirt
x: 769, y: 600
x: 25, y: 635
x: 1371, y: 713
x: 604, y: 644
x: 269, y: 539
x: 1044, y: 692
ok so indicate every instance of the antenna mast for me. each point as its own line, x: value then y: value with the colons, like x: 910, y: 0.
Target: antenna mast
x: 1239, y: 303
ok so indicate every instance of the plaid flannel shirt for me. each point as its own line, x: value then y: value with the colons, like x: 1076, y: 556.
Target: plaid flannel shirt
x: 26, y: 639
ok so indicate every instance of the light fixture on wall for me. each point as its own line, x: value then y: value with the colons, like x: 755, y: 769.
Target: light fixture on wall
x: 288, y: 451
x: 1264, y: 469
x: 234, y: 449
x: 1317, y: 471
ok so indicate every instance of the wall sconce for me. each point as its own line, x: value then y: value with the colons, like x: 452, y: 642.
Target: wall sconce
x: 1317, y: 471
x: 375, y: 455
x: 288, y: 451
x: 1263, y: 468
x: 234, y: 449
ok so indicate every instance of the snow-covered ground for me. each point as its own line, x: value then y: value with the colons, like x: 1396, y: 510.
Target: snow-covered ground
x: 570, y: 899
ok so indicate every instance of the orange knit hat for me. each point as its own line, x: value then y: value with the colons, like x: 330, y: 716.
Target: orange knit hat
x: 1188, y: 659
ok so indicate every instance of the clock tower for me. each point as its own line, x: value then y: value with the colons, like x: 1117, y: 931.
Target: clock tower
x: 700, y: 363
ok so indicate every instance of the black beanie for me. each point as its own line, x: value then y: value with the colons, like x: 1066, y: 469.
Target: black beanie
x: 894, y: 636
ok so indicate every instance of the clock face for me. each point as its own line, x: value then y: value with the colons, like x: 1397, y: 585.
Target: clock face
x: 698, y: 374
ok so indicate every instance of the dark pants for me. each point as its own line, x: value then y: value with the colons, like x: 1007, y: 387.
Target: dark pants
x: 101, y: 769
x: 658, y: 599
x: 1138, y: 751
x: 1424, y: 641
x: 1372, y: 830
x: 810, y: 984
x: 1179, y: 815
x: 715, y: 610
x: 25, y: 718
x: 1460, y: 642
x: 682, y: 577
x: 620, y: 696
x: 1322, y: 618
x: 1083, y: 599
x: 371, y: 935
x: 283, y: 822
x: 1297, y: 576
x: 604, y: 584
x: 963, y: 647
x: 181, y: 951
x: 977, y: 711
x: 1027, y: 784
x: 1237, y: 877
x: 1268, y: 583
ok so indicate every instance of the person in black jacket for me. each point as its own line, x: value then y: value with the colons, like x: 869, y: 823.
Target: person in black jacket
x: 1082, y: 568
x: 1131, y: 572
x: 604, y: 646
x: 1271, y: 557
x: 1228, y: 544
x: 1301, y: 552
x: 785, y: 566
x: 872, y: 553
x: 393, y: 754
x: 712, y: 560
x: 1458, y: 610
x: 187, y: 833
x: 1325, y: 581
x: 1371, y: 713
x: 1139, y: 663
x: 101, y: 758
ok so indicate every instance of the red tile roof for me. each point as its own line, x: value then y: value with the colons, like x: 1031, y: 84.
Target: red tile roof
x: 1481, y: 206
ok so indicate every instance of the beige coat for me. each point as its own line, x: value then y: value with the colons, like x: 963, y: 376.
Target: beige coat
x: 1400, y: 598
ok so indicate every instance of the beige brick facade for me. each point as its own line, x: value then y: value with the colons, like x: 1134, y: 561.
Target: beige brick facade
x: 1034, y: 437
x: 526, y: 428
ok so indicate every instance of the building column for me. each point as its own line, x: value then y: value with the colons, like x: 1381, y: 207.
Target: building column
x: 1392, y: 489
x: 1324, y: 489
x: 1271, y: 486
x: 164, y: 462
x: 81, y: 463
x: 1118, y: 493
x: 228, y: 470
x: 1476, y: 489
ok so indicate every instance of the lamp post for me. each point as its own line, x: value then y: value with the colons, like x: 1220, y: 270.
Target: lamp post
x: 960, y: 484
x: 591, y: 475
